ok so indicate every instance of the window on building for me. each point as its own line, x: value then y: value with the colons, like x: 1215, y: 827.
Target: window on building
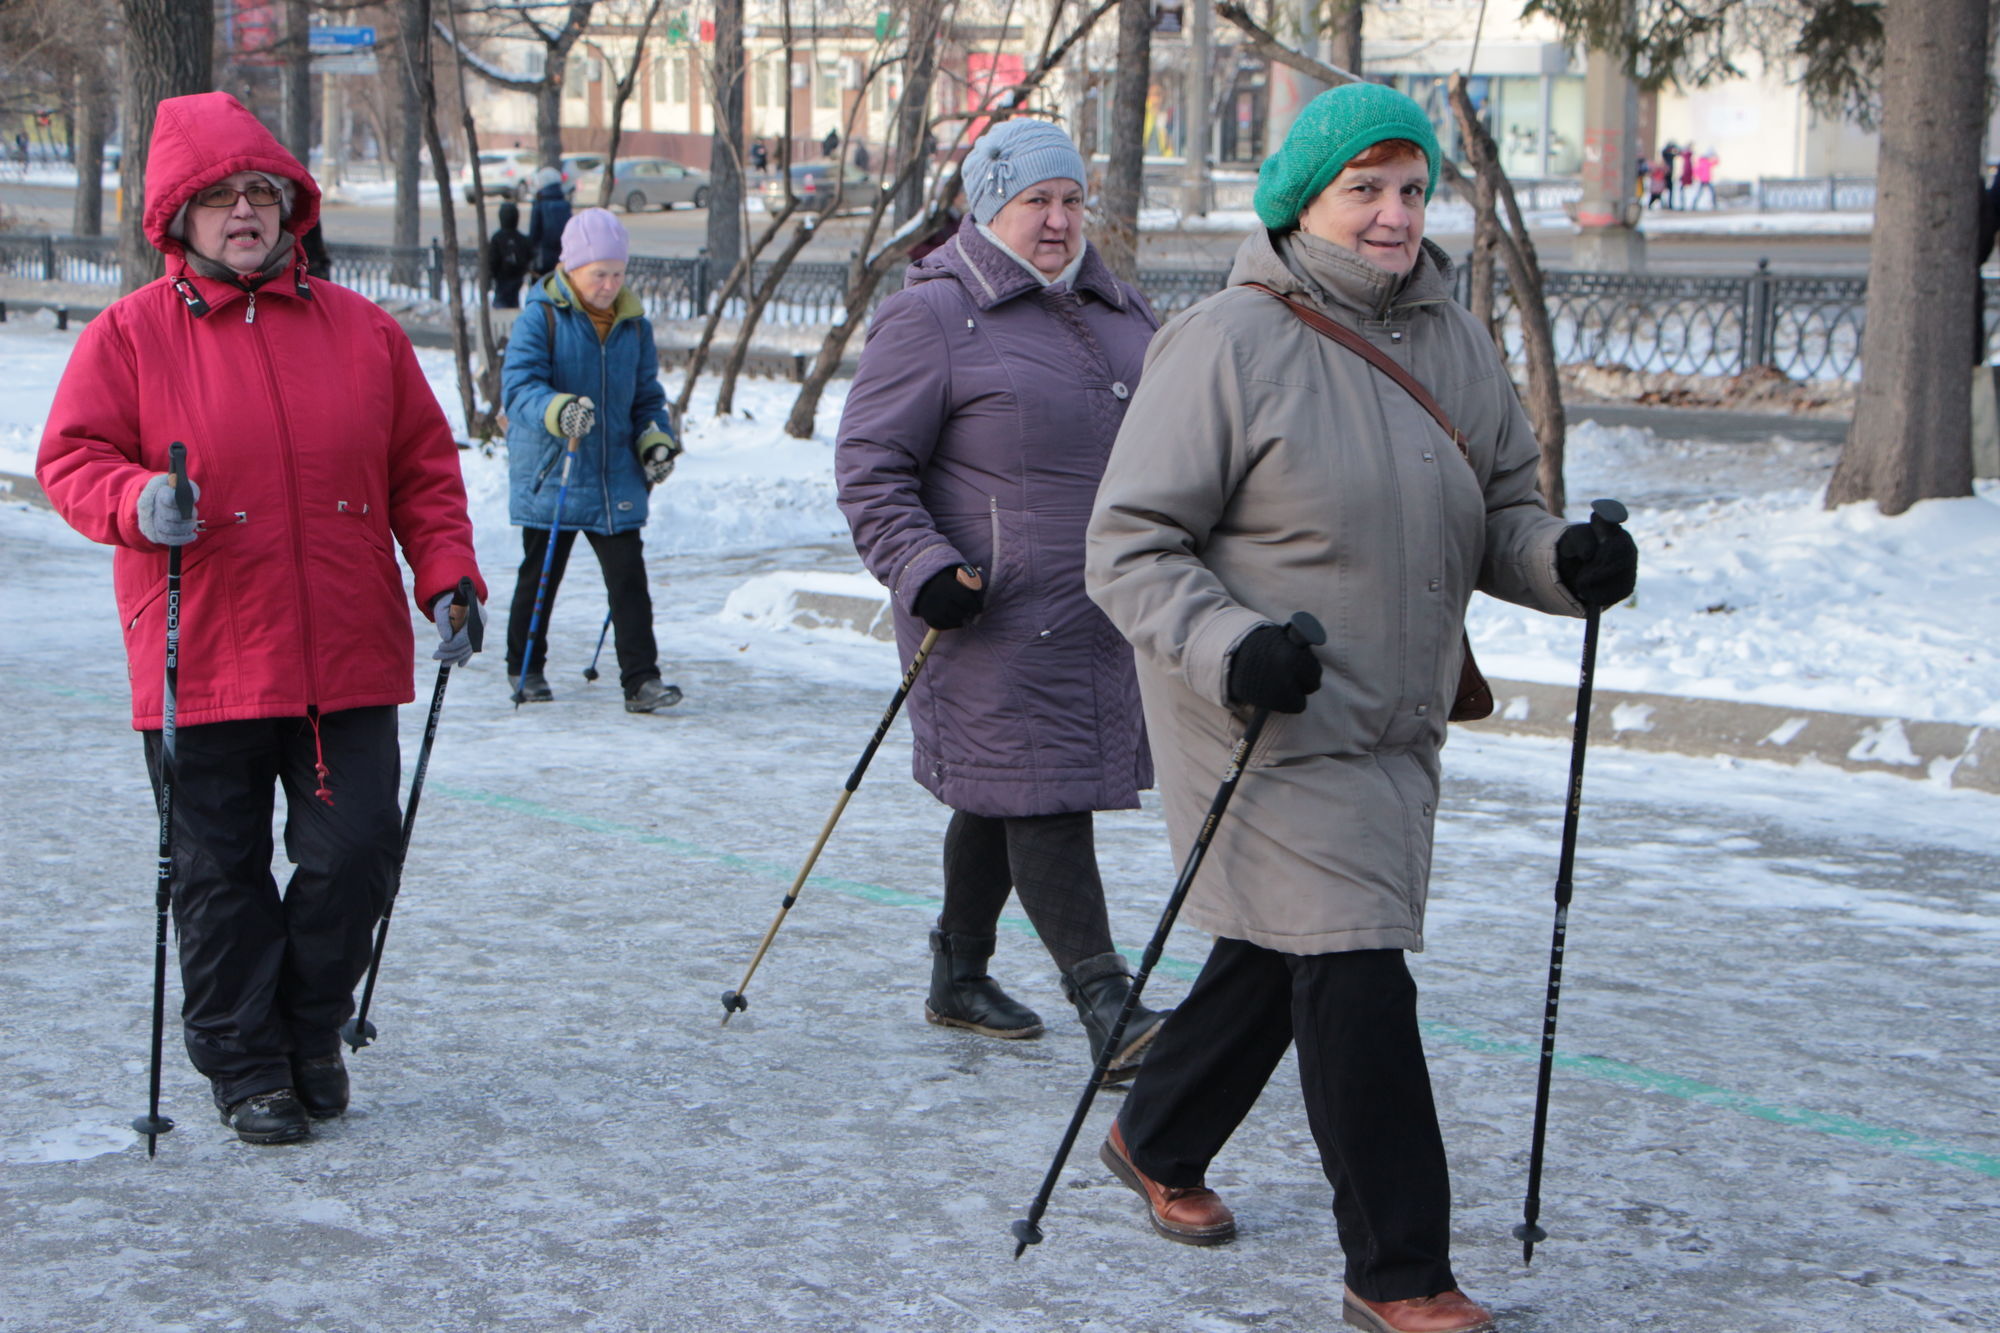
x: 680, y: 82
x: 760, y: 83
x: 659, y: 79
x: 826, y: 88
x: 574, y: 78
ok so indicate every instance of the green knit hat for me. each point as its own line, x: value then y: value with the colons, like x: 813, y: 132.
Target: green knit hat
x: 1335, y: 128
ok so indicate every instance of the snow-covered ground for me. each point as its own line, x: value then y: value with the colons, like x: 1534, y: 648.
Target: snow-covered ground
x: 1773, y: 1111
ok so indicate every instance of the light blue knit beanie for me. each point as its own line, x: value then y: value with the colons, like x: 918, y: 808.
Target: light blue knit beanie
x: 1335, y: 128
x: 1013, y: 155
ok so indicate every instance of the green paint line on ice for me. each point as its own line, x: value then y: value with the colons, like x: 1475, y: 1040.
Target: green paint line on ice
x: 1598, y: 1067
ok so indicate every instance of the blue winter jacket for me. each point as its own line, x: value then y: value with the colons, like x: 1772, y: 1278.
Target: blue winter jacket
x: 621, y: 375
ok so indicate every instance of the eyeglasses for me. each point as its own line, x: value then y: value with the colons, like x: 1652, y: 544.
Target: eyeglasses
x: 263, y: 194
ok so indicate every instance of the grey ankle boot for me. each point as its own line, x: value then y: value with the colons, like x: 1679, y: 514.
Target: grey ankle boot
x: 963, y: 996
x: 1098, y: 987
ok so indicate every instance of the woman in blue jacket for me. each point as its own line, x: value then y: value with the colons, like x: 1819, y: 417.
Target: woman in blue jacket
x: 581, y: 364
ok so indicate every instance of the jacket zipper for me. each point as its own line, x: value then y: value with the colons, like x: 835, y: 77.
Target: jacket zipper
x: 289, y: 465
x: 250, y: 310
x: 993, y: 552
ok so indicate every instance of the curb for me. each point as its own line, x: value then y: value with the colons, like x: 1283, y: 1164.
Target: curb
x: 1950, y: 752
x: 14, y: 486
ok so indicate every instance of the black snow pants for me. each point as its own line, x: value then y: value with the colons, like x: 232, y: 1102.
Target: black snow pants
x: 1367, y: 1094
x: 268, y: 979
x: 623, y: 558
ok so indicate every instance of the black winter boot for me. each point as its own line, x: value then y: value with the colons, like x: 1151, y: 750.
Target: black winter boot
x: 321, y: 1083
x: 963, y: 996
x: 266, y: 1117
x: 1098, y: 987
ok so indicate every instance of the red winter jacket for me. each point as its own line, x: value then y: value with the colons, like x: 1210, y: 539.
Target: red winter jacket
x: 312, y: 434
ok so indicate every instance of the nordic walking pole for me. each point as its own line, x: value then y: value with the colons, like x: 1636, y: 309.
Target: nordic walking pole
x: 358, y: 1031
x: 590, y: 672
x: 153, y: 1124
x: 732, y: 1000
x: 1604, y: 516
x: 1305, y: 631
x: 548, y: 563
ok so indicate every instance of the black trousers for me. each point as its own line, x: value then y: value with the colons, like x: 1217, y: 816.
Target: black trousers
x: 623, y: 559
x: 1050, y: 860
x: 1367, y: 1094
x: 266, y: 978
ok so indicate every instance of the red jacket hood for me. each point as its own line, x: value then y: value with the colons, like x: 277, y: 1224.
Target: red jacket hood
x: 200, y: 139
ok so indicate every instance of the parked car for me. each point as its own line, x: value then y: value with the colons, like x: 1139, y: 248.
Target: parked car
x: 575, y: 166
x: 508, y: 172
x: 648, y: 182
x: 813, y: 183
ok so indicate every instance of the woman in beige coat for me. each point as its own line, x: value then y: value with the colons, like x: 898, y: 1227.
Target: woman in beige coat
x: 1263, y: 469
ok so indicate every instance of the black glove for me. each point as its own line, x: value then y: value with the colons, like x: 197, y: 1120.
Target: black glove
x: 945, y: 603
x: 1268, y: 670
x: 1598, y: 562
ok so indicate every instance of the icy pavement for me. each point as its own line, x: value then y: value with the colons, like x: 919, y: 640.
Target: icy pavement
x: 1774, y: 1111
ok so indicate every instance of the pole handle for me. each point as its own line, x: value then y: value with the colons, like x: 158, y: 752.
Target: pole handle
x: 177, y: 467
x: 1305, y: 631
x: 1606, y: 515
x: 461, y: 606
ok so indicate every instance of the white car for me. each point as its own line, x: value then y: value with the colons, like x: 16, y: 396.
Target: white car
x: 508, y: 172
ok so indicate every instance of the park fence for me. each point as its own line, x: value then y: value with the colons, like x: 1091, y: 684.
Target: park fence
x: 1803, y: 326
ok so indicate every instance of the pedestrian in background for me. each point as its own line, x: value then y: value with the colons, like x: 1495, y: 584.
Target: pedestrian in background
x: 1670, y: 158
x: 509, y: 255
x: 1687, y: 177
x: 1658, y: 175
x: 981, y: 414
x: 1704, y: 179
x: 314, y: 446
x: 548, y: 215
x: 860, y: 156
x: 581, y: 362
x: 830, y: 145
x: 1265, y: 469
x: 760, y: 157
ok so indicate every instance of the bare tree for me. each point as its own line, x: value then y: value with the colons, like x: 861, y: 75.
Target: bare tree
x: 523, y: 18
x: 870, y: 266
x: 295, y: 130
x: 1125, y: 170
x: 621, y: 93
x: 167, y: 54
x: 483, y: 423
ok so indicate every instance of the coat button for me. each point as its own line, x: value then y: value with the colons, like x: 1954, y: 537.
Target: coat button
x: 1429, y: 457
x: 1120, y: 392
x: 1423, y: 710
x: 1434, y: 585
x: 1396, y: 336
x: 624, y: 504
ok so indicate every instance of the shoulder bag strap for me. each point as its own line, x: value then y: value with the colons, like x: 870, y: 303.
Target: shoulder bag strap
x: 1375, y: 357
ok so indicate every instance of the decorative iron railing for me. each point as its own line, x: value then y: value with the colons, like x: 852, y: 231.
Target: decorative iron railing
x: 1805, y: 327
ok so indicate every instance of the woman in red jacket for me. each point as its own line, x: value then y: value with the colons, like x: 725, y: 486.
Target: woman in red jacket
x: 314, y: 443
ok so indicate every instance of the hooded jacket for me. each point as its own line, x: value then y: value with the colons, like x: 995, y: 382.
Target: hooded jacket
x: 311, y: 432
x: 554, y: 355
x: 1264, y: 469
x: 980, y: 418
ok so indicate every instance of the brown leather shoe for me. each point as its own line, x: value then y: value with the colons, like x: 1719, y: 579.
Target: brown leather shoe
x: 1447, y: 1312
x: 1192, y: 1216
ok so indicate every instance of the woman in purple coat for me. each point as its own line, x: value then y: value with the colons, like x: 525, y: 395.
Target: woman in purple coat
x: 979, y: 424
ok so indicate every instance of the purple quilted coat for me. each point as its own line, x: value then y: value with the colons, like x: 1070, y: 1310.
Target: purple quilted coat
x: 978, y: 426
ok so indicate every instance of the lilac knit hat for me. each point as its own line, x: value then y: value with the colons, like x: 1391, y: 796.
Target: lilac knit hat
x: 594, y: 235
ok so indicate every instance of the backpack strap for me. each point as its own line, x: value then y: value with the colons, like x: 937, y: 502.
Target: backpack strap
x: 1375, y: 357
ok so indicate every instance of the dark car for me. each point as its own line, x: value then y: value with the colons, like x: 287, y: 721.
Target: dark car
x: 815, y: 186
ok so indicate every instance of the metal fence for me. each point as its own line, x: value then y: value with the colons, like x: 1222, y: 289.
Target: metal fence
x: 1814, y: 194
x: 1803, y: 326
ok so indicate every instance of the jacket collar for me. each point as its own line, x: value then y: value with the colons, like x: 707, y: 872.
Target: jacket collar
x: 991, y: 275
x: 1335, y: 278
x: 562, y: 296
x: 205, y: 286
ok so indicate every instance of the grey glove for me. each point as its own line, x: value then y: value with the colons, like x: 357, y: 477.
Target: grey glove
x: 658, y: 461
x: 577, y: 416
x: 159, y: 520
x: 455, y: 646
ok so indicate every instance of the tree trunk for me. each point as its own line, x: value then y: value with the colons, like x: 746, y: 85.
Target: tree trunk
x: 1117, y: 236
x: 412, y: 31
x: 167, y: 53
x: 1912, y: 433
x: 913, y: 118
x: 1344, y: 35
x: 753, y: 312
x: 93, y: 109
x: 621, y: 94
x: 725, y: 152
x: 296, y: 133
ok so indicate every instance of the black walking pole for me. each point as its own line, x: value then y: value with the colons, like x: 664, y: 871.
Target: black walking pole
x: 153, y: 1124
x: 1604, y: 515
x: 1304, y: 630
x: 358, y: 1031
x: 590, y: 672
x: 732, y: 1000
x: 548, y: 563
